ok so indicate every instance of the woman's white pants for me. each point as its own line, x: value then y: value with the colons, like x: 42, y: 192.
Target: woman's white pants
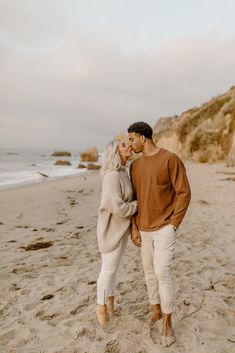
x: 107, y: 279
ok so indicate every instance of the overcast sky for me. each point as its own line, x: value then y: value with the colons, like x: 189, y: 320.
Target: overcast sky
x: 74, y: 73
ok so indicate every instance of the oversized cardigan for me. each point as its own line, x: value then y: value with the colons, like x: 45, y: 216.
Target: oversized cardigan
x: 115, y: 211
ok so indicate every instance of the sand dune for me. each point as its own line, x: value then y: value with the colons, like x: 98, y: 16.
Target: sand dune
x: 47, y: 294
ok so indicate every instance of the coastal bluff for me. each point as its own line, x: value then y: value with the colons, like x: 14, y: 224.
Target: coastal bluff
x: 201, y: 134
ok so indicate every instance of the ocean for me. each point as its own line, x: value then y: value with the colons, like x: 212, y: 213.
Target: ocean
x: 20, y: 166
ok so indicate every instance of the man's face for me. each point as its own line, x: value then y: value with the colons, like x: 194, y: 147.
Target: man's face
x: 136, y: 141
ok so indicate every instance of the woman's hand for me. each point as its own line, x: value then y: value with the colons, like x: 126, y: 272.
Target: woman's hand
x: 135, y: 236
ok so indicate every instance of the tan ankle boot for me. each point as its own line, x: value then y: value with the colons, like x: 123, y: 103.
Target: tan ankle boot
x: 110, y: 306
x: 101, y: 311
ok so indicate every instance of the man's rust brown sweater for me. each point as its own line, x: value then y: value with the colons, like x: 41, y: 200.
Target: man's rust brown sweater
x: 162, y: 190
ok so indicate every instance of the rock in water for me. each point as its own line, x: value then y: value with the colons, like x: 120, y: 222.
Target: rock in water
x: 89, y: 155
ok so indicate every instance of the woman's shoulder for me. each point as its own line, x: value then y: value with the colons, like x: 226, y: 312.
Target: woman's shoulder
x: 116, y: 176
x: 112, y: 175
x: 112, y: 180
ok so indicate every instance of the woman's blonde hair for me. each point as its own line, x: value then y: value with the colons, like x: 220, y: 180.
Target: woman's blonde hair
x: 111, y: 158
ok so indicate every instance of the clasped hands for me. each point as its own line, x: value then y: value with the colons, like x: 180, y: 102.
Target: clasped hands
x: 135, y: 235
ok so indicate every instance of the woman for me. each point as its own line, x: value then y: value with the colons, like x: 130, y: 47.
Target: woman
x: 113, y: 226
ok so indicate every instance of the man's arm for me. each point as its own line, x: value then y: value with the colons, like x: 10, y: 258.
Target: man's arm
x: 135, y: 234
x: 182, y: 190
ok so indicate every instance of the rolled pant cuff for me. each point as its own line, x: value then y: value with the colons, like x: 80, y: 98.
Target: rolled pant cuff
x: 167, y: 309
x: 154, y: 302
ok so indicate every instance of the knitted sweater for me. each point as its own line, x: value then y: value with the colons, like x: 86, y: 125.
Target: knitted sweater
x: 115, y: 211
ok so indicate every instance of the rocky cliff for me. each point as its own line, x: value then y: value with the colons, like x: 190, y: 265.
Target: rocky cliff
x: 204, y: 134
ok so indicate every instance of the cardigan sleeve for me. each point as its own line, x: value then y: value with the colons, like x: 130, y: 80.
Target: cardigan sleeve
x: 112, y: 198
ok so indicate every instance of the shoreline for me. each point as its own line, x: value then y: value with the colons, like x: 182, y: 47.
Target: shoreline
x: 81, y: 173
x: 30, y: 166
x: 43, y: 181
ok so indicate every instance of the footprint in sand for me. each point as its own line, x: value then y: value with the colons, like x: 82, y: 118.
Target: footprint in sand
x: 48, y: 229
x: 216, y: 326
x: 62, y: 212
x: 229, y: 282
x: 70, y: 323
x: 112, y: 347
x: 30, y: 306
x: 43, y: 317
x: 154, y: 334
x: 37, y: 246
x: 62, y: 257
x: 230, y: 301
x: 61, y: 222
x: 88, y: 332
x: 25, y: 291
x: 231, y: 338
x: 47, y: 297
x: 75, y: 236
x: 14, y: 287
x: 202, y: 202
x: 73, y: 203
x: 8, y: 336
x: 24, y: 269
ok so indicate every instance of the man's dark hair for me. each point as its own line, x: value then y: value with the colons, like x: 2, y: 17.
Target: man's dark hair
x: 141, y: 128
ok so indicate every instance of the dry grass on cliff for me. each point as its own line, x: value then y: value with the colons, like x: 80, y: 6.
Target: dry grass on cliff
x: 207, y: 111
x: 201, y: 134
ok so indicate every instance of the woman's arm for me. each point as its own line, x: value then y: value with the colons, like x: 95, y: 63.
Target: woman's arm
x: 112, y: 198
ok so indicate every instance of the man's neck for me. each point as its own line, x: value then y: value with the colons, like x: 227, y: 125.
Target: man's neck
x: 150, y: 149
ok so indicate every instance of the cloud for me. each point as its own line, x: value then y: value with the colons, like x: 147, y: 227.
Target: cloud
x: 62, y: 86
x: 31, y: 22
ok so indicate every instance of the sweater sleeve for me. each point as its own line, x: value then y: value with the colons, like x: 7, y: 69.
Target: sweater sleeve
x: 181, y: 188
x: 112, y: 198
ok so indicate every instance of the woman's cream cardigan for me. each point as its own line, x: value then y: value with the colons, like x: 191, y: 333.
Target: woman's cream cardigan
x: 116, y: 209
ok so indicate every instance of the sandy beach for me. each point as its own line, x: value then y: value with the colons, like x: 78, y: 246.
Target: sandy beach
x: 49, y: 264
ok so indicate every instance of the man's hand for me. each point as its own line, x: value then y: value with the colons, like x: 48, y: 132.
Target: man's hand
x: 135, y: 236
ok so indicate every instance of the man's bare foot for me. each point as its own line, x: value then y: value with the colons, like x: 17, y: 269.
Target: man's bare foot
x: 156, y: 314
x: 167, y: 337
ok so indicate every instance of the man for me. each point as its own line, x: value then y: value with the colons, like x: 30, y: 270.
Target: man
x: 163, y: 193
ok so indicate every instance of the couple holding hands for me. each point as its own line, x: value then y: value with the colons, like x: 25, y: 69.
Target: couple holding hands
x: 149, y: 205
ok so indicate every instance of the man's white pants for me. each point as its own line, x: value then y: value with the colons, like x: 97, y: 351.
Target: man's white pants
x: 157, y: 251
x: 107, y: 279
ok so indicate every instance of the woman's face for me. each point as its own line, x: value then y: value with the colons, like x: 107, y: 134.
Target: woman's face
x: 124, y: 148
